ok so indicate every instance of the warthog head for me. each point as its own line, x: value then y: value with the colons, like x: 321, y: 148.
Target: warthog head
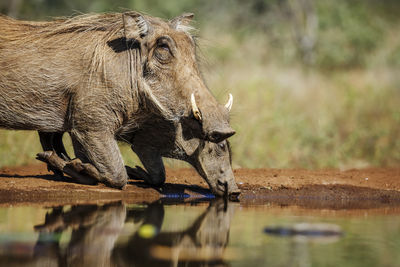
x: 213, y: 161
x: 160, y: 138
x: 171, y: 78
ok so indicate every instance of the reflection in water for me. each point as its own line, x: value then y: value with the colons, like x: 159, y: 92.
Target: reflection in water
x: 308, y: 232
x: 95, y: 230
x: 203, y: 242
x: 300, y: 234
x: 147, y: 235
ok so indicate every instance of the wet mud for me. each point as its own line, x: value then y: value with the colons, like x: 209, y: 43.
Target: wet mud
x: 371, y: 188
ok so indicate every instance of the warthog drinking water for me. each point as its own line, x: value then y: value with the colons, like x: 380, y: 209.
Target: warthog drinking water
x: 159, y: 138
x: 211, y: 160
x: 91, y: 75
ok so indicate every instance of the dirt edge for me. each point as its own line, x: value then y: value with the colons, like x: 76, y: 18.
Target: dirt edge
x: 330, y: 189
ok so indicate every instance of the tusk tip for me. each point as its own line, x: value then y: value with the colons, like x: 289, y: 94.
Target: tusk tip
x: 228, y: 105
x: 195, y: 109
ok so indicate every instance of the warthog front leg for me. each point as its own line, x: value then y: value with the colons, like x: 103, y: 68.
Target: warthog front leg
x: 152, y: 161
x: 102, y: 151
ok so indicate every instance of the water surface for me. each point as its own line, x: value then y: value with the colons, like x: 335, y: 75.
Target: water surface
x: 212, y: 233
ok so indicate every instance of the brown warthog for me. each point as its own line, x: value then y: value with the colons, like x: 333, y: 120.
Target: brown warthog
x: 155, y: 139
x: 91, y: 75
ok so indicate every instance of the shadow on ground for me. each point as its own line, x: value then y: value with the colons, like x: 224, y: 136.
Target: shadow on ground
x: 176, y: 190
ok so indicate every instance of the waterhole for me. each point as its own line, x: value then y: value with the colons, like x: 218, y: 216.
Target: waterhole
x: 198, y: 233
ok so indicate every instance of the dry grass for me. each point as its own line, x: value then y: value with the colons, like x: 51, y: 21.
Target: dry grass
x: 285, y: 115
x: 289, y: 116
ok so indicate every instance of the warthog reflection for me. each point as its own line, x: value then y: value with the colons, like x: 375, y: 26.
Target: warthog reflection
x: 96, y: 229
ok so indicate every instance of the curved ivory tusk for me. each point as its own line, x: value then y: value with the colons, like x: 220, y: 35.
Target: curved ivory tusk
x: 228, y: 105
x: 195, y: 109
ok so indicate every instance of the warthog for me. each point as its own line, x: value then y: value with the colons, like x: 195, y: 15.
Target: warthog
x: 91, y: 75
x: 155, y: 139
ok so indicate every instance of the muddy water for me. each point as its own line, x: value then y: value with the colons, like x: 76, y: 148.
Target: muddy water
x: 214, y: 233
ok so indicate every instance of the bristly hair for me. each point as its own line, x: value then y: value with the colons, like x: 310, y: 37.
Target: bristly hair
x: 186, y: 28
x: 105, y: 27
x: 110, y: 26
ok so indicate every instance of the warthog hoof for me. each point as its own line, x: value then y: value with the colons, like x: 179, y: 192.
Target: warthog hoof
x: 54, y: 163
x: 85, y: 173
x: 137, y: 173
x: 45, y: 157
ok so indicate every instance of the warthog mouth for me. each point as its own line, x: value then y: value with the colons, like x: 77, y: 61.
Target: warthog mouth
x: 222, y: 190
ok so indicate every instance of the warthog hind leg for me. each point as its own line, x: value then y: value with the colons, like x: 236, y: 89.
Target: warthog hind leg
x: 53, y: 141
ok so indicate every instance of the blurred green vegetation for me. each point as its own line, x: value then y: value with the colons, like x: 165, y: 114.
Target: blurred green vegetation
x: 315, y: 82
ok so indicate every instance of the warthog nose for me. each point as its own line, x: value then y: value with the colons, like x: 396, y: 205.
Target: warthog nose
x: 220, y: 135
x: 234, y: 196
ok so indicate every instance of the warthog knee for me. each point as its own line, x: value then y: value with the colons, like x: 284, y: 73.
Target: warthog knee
x: 115, y: 179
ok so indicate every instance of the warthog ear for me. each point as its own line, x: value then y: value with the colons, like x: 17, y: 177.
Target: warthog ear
x: 182, y: 22
x: 135, y: 25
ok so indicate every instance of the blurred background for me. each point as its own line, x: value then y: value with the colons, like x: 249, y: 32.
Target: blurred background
x: 316, y: 83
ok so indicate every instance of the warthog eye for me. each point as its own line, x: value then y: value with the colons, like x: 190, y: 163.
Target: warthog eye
x: 163, y: 51
x: 164, y: 46
x: 222, y: 145
x: 221, y: 149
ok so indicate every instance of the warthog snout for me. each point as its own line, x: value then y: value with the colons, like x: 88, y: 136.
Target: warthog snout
x: 227, y: 187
